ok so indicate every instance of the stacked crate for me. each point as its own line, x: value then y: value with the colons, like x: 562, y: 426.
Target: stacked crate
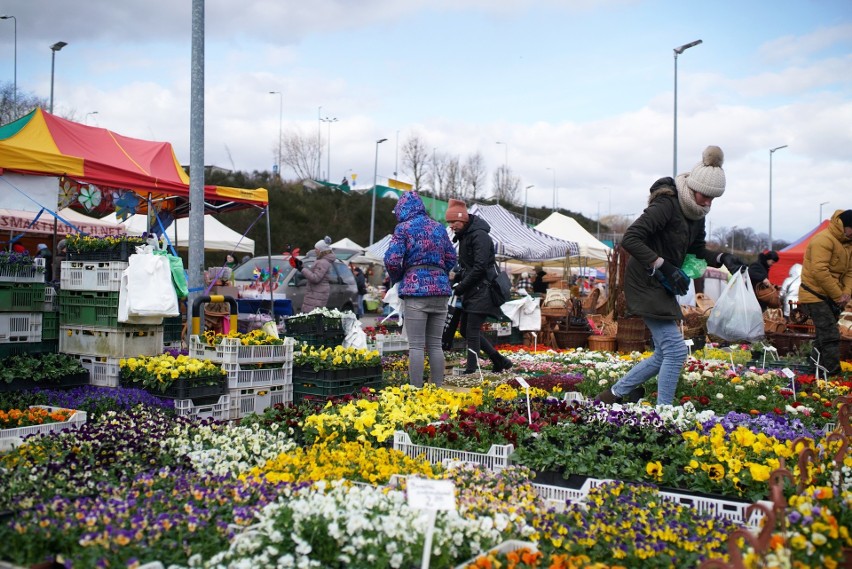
x: 22, y: 302
x: 88, y: 320
x: 258, y: 376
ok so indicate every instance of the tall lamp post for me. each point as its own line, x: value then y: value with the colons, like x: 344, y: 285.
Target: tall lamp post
x: 15, y: 20
x: 771, y: 152
x: 280, y: 122
x: 375, y: 178
x: 53, y: 49
x: 554, y: 187
x: 86, y: 118
x: 678, y: 51
x: 820, y: 210
x: 319, y: 142
x: 328, y: 159
x: 526, y: 191
x: 505, y: 168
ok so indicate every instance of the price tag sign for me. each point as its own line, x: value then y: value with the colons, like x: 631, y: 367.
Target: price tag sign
x: 426, y: 494
x: 788, y: 372
x: 522, y: 382
x: 689, y: 342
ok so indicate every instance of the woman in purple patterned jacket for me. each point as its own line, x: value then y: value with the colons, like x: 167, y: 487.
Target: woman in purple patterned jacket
x: 419, y: 258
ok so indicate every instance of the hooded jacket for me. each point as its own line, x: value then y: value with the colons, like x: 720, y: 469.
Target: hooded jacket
x: 476, y: 258
x: 318, y: 288
x: 790, y: 288
x: 827, y: 265
x: 420, y: 253
x: 661, y: 231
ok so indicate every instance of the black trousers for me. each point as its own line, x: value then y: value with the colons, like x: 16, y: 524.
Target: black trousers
x: 827, y: 335
x: 471, y: 326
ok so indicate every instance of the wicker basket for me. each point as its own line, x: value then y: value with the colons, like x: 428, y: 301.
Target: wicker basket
x: 627, y: 346
x: 788, y: 342
x: 632, y: 329
x: 602, y: 343
x: 571, y: 338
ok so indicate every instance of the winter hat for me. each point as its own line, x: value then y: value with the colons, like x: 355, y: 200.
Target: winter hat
x: 846, y: 218
x: 321, y: 245
x: 708, y: 177
x: 457, y: 211
x: 41, y: 246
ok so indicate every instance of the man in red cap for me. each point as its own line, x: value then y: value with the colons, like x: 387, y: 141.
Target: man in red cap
x: 826, y: 286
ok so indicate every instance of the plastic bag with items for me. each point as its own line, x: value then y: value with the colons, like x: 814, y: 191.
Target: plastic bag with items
x: 737, y: 316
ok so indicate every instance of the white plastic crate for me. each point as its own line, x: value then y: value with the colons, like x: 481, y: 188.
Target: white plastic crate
x: 557, y: 496
x: 51, y: 300
x: 20, y: 327
x: 272, y: 374
x: 496, y: 459
x: 391, y: 343
x: 34, y: 274
x: 103, y: 276
x: 505, y: 547
x: 244, y: 402
x: 10, y: 438
x: 119, y: 342
x: 103, y: 370
x: 218, y: 411
x: 233, y: 352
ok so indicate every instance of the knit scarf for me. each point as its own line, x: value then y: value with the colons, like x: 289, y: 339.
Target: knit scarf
x: 688, y: 205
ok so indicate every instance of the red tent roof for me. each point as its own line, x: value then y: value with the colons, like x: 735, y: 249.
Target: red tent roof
x: 792, y: 254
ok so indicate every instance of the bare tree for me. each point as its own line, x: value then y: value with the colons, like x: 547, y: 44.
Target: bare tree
x: 472, y: 177
x: 506, y: 186
x: 439, y: 168
x: 415, y: 160
x: 12, y: 110
x: 452, y: 178
x: 300, y: 152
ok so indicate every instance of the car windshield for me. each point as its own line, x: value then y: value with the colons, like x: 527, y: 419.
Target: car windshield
x: 245, y: 272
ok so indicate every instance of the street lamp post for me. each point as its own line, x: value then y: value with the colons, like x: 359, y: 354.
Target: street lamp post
x: 678, y: 51
x: 86, y: 118
x: 15, y: 20
x: 319, y: 142
x: 280, y: 123
x: 554, y: 187
x: 526, y: 191
x: 771, y: 152
x: 53, y: 49
x: 820, y: 210
x: 506, y: 170
x: 375, y: 179
x: 328, y: 159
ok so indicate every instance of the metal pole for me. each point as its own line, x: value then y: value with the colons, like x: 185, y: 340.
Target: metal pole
x: 526, y: 193
x: 328, y: 163
x: 554, y: 187
x: 196, y: 156
x: 375, y: 179
x: 820, y: 210
x: 269, y: 263
x: 15, y: 21
x: 319, y: 142
x: 771, y: 152
x: 280, y: 123
x: 678, y: 51
x: 505, y: 171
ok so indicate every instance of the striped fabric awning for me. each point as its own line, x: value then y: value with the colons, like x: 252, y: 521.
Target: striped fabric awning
x: 514, y: 240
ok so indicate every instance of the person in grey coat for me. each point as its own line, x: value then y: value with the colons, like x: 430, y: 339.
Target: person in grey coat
x: 658, y: 241
x: 318, y: 289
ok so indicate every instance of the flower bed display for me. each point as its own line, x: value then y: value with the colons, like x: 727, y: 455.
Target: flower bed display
x: 252, y: 347
x: 17, y: 424
x: 174, y: 377
x: 20, y: 268
x: 24, y: 371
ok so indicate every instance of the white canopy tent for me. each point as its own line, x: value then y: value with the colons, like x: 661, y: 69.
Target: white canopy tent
x: 217, y: 236
x: 347, y: 245
x: 593, y: 251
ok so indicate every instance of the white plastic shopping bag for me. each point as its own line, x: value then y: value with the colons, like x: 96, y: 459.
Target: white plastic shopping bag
x: 393, y: 300
x: 149, y: 286
x: 737, y: 317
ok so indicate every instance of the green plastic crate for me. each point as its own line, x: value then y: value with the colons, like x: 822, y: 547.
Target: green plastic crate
x: 21, y: 297
x: 172, y: 328
x: 88, y: 308
x: 50, y: 326
x: 43, y: 347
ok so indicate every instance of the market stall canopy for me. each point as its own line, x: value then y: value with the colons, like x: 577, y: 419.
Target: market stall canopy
x: 217, y: 235
x: 567, y: 228
x: 18, y: 221
x: 792, y: 254
x: 514, y: 240
x: 102, y: 171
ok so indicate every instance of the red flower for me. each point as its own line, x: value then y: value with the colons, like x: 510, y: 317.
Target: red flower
x: 704, y: 400
x: 778, y: 411
x: 826, y: 414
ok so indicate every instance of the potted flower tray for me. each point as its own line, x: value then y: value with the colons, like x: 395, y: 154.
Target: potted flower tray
x: 497, y: 458
x: 10, y: 438
x: 184, y: 388
x: 505, y: 547
x: 64, y: 382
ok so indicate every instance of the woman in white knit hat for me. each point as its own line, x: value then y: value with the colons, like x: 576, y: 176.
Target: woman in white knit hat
x: 658, y: 241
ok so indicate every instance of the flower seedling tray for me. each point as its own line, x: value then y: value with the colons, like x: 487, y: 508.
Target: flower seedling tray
x: 496, y: 459
x: 232, y: 351
x: 127, y: 341
x: 183, y: 388
x: 216, y: 409
x: 10, y: 438
x: 64, y: 382
x: 391, y: 343
x: 88, y: 308
x: 21, y: 297
x: 313, y: 324
x: 104, y: 276
x: 319, y: 340
x: 20, y: 327
x: 23, y: 274
x: 244, y: 401
x: 121, y: 252
x: 505, y: 547
x: 273, y: 374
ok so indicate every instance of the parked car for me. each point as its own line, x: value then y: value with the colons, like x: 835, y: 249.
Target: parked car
x: 344, y: 292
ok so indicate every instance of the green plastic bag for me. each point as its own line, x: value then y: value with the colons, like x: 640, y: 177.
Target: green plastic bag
x: 693, y: 266
x: 178, y: 273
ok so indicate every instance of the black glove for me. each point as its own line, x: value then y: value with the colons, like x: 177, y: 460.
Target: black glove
x: 732, y: 262
x: 672, y: 278
x: 299, y: 264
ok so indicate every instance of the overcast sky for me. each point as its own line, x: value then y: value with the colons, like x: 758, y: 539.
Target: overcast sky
x: 582, y: 89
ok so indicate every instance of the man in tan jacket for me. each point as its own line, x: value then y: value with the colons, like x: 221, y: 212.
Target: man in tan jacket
x: 827, y: 285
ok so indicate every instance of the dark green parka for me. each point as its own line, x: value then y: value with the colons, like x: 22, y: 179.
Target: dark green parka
x: 661, y: 231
